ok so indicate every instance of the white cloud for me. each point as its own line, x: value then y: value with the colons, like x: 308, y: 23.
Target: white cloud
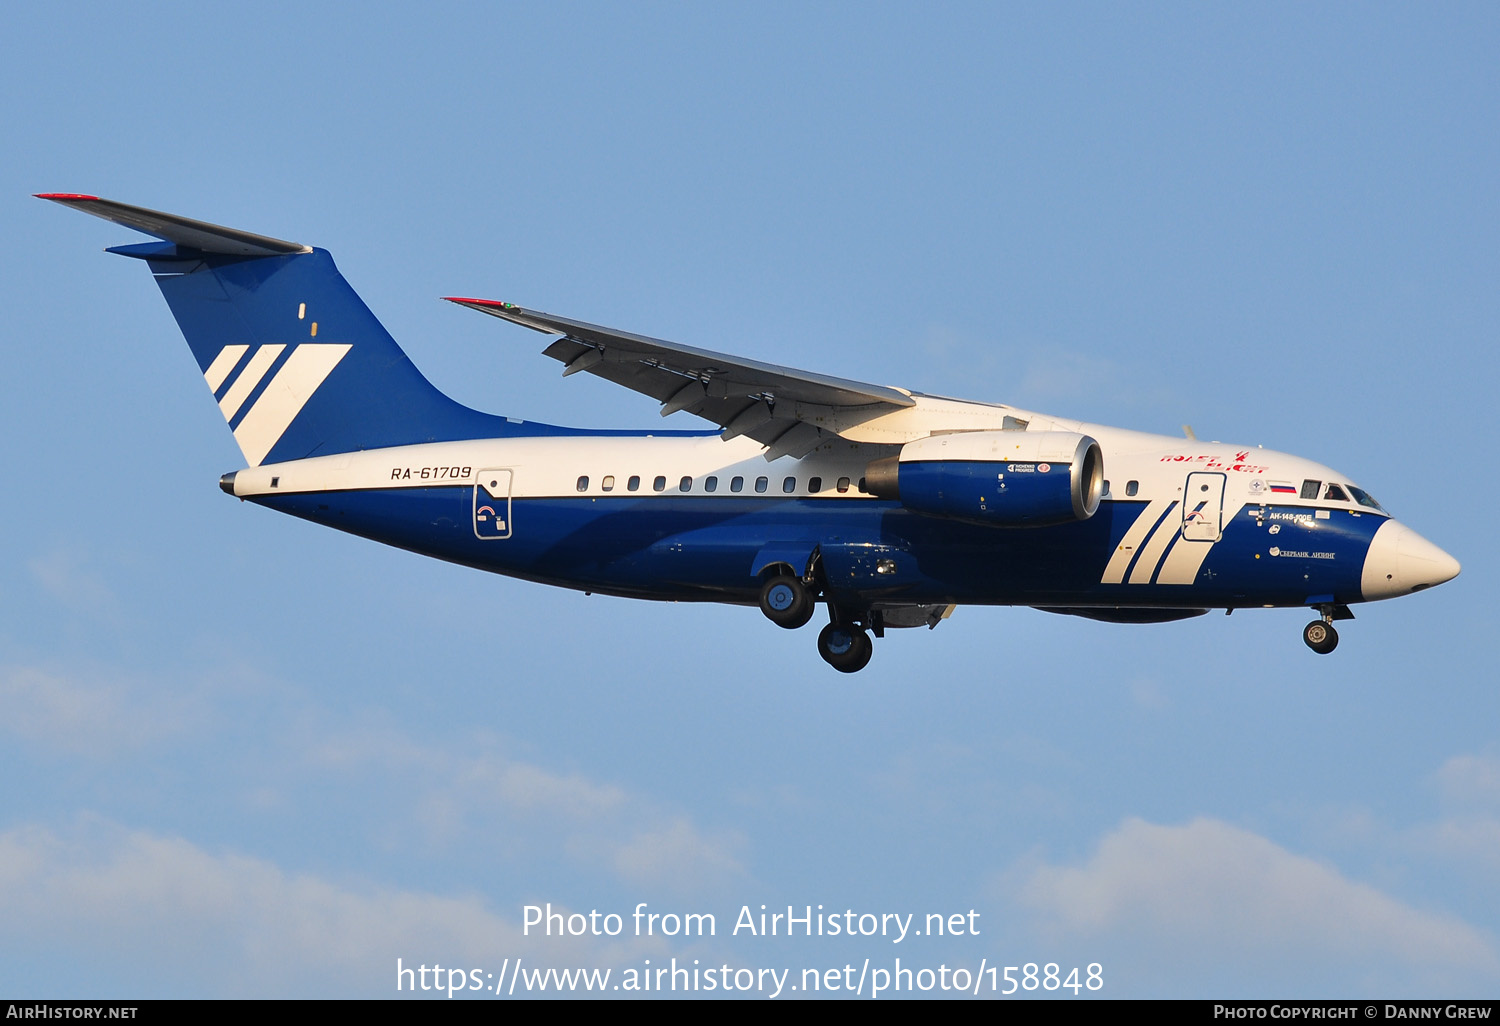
x: 1469, y: 829
x: 179, y: 919
x: 1148, y: 693
x: 473, y: 792
x: 1472, y: 781
x: 660, y: 856
x: 1213, y: 892
x: 945, y: 782
x: 526, y: 787
x: 63, y: 576
x: 487, y: 795
x: 1475, y: 838
x: 87, y: 713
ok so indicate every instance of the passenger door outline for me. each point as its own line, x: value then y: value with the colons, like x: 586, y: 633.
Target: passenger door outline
x: 1203, y: 507
x: 492, y: 521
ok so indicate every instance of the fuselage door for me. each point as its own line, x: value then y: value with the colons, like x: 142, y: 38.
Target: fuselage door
x: 1203, y: 507
x: 492, y: 504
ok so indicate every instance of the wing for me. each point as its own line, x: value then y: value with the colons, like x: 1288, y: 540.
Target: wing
x: 789, y: 411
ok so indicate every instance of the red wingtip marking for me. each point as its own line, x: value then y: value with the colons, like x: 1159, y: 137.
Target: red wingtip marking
x: 479, y: 302
x: 64, y: 196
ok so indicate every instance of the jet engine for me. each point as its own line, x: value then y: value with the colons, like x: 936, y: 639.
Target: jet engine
x: 997, y: 478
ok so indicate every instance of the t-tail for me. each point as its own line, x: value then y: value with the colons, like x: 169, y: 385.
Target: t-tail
x: 297, y: 363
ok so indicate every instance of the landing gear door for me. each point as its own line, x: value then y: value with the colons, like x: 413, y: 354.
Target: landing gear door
x: 1203, y: 507
x: 492, y: 505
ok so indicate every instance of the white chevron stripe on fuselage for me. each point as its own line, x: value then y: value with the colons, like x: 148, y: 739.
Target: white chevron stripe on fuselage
x: 1119, y: 561
x: 1183, y: 562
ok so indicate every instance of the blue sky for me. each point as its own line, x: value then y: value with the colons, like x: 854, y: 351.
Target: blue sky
x: 247, y: 756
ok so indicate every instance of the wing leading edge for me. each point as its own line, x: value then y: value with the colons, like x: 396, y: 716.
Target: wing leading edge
x: 787, y: 410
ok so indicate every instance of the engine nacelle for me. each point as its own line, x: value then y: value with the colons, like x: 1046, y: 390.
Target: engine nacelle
x: 999, y: 478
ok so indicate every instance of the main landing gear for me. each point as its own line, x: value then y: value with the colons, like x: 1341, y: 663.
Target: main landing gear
x: 786, y: 601
x: 789, y: 601
x: 845, y: 647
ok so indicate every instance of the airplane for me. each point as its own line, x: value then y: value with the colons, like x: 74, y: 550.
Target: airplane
x: 890, y: 507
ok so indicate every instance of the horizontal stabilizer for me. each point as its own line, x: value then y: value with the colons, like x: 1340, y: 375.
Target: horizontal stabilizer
x: 183, y: 231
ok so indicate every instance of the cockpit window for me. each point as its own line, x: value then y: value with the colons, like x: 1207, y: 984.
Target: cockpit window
x: 1335, y: 494
x: 1310, y: 489
x: 1364, y: 498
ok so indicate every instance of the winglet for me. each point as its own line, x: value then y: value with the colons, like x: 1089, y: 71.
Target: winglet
x: 181, y: 231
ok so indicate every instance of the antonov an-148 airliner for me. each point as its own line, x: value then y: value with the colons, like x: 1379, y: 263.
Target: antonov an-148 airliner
x: 891, y: 507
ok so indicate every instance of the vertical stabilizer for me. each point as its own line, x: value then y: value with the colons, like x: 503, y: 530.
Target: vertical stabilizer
x: 297, y: 363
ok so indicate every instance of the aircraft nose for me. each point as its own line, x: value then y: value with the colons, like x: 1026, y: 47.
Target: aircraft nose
x: 1401, y: 561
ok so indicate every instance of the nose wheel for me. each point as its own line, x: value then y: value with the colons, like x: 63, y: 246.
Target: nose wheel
x: 1320, y: 637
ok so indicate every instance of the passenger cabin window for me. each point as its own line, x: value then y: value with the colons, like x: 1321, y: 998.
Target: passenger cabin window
x: 583, y: 483
x: 659, y: 485
x: 685, y: 485
x: 843, y: 485
x: 761, y: 483
x: 634, y: 484
x: 1131, y: 487
x: 1310, y: 489
x: 1106, y: 487
x: 608, y: 484
x: 789, y: 485
x: 710, y: 484
x: 737, y: 484
x: 815, y: 486
x: 1335, y: 494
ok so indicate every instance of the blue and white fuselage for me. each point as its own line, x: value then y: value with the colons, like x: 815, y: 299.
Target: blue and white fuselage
x: 890, y: 507
x: 702, y: 512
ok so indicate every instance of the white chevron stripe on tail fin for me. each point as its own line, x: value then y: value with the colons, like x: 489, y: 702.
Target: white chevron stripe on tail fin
x: 243, y: 385
x: 291, y: 388
x: 225, y: 362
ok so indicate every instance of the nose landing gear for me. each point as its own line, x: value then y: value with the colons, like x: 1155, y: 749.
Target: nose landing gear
x: 1320, y: 637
